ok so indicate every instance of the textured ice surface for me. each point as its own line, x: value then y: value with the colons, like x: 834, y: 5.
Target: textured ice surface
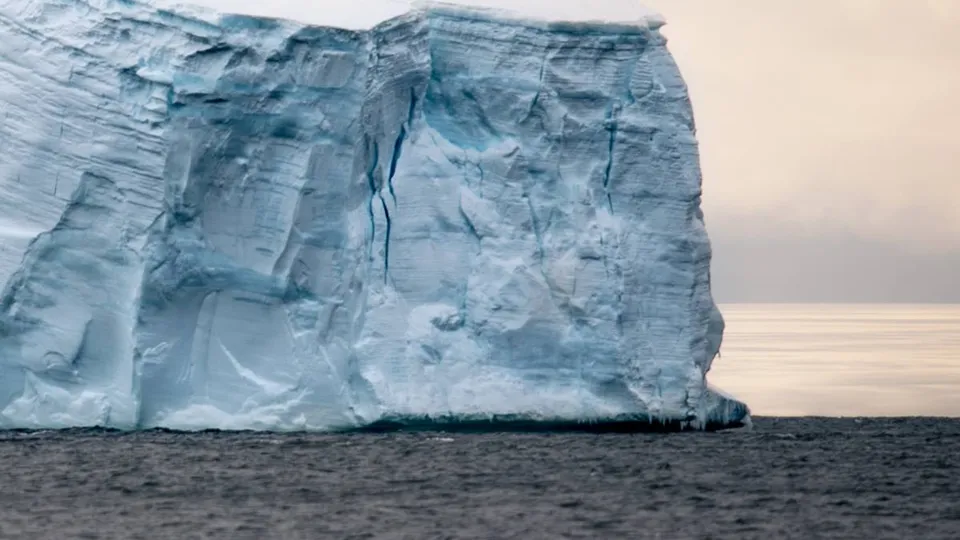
x: 364, y: 14
x: 237, y: 222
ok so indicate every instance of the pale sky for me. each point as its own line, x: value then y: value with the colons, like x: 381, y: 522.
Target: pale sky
x: 828, y: 133
x: 830, y: 145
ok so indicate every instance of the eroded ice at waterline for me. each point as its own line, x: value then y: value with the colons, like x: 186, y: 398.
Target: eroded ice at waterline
x: 235, y: 222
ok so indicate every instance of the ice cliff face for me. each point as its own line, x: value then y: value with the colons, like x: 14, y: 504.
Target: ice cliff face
x: 238, y: 222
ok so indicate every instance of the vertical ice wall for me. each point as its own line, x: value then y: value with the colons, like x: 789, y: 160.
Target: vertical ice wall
x: 256, y: 223
x: 83, y: 102
x: 255, y: 286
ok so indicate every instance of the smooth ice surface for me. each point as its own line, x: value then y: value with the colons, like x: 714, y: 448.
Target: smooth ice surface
x: 237, y: 222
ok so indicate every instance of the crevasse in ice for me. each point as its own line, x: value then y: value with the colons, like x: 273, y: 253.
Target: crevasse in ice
x: 237, y: 222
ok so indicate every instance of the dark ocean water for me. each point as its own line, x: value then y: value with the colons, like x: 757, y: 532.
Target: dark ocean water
x: 785, y: 478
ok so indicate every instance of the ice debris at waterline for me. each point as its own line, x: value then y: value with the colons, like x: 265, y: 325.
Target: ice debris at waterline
x: 243, y: 223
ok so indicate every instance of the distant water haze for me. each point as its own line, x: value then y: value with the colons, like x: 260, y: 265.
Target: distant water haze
x: 842, y: 360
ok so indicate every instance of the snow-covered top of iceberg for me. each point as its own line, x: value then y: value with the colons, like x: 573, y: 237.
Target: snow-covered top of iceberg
x: 365, y: 14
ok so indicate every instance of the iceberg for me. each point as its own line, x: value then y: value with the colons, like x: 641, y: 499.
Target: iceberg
x: 456, y: 215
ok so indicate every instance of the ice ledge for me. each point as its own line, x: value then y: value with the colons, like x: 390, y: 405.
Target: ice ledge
x: 606, y: 15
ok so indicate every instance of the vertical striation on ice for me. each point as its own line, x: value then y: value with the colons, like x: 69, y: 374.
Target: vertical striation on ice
x: 239, y: 222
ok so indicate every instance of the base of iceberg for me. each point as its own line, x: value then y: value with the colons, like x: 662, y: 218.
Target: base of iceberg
x: 719, y: 412
x: 454, y: 218
x: 528, y: 424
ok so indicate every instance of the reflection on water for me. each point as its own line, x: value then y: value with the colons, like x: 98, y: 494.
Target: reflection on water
x: 842, y: 360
